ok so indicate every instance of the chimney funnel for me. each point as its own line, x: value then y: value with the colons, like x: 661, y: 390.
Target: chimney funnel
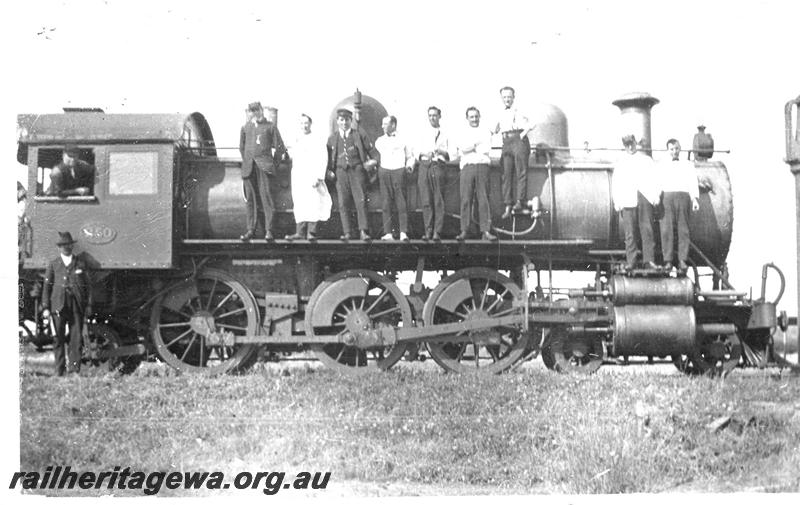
x: 635, y: 108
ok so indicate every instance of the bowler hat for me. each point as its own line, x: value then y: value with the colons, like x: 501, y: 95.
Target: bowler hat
x: 344, y: 113
x: 65, y: 238
x: 254, y: 106
x: 72, y: 151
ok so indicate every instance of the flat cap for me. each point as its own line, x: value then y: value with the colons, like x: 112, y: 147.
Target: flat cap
x: 254, y: 106
x: 344, y: 113
x: 72, y: 151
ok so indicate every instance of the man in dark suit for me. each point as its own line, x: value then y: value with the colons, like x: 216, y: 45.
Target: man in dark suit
x: 68, y: 294
x: 350, y: 152
x: 257, y: 140
x: 73, y: 176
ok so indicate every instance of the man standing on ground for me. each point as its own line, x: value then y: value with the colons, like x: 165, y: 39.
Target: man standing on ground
x: 67, y: 293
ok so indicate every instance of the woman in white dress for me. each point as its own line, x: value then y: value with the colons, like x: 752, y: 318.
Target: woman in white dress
x: 310, y: 197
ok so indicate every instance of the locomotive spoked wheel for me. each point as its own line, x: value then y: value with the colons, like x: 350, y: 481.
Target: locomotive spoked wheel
x: 716, y: 354
x: 195, y: 322
x: 567, y: 354
x: 349, y: 302
x: 469, y: 295
x: 104, y: 338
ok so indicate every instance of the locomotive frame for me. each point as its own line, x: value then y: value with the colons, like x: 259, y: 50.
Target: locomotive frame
x: 204, y: 302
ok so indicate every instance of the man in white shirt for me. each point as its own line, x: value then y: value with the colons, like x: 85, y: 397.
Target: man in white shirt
x: 514, y: 128
x: 432, y: 153
x: 395, y: 159
x: 473, y: 145
x: 679, y: 184
x: 634, y: 193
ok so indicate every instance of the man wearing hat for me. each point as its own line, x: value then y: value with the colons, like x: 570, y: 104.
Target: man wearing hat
x: 68, y: 295
x: 73, y: 176
x: 350, y: 151
x: 257, y: 139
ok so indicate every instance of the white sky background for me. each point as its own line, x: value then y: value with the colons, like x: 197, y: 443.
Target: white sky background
x: 733, y: 65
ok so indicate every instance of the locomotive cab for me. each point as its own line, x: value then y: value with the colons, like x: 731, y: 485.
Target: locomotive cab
x: 126, y: 217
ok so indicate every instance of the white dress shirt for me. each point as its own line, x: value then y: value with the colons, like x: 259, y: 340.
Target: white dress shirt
x: 510, y: 120
x: 431, y: 141
x: 634, y: 173
x: 474, y: 144
x: 679, y: 175
x: 67, y: 260
x: 395, y: 153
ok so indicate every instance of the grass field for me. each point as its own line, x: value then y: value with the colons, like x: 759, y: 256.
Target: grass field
x: 417, y: 431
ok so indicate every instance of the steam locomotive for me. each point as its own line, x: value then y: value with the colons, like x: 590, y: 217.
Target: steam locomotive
x: 171, y: 278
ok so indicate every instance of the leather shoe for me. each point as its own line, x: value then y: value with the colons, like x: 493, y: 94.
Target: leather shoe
x: 668, y: 266
x: 365, y: 235
x: 312, y: 238
x: 461, y: 236
x: 248, y: 235
x: 517, y: 207
x: 507, y: 213
x: 488, y: 236
x: 268, y: 237
x: 296, y: 236
x: 436, y: 236
x: 426, y: 237
x: 345, y: 237
x: 683, y: 266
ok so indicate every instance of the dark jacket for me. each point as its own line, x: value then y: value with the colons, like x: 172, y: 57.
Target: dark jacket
x: 366, y: 150
x: 255, y: 145
x: 59, y: 278
x: 62, y: 178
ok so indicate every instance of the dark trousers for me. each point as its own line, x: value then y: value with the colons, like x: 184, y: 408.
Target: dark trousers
x: 474, y: 185
x: 69, y: 314
x: 677, y: 208
x: 257, y: 188
x: 639, y: 218
x: 393, y: 191
x: 515, y: 155
x: 430, y: 182
x: 301, y: 227
x: 350, y: 184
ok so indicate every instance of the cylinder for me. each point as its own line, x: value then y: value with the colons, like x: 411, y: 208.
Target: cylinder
x: 652, y: 291
x: 635, y: 109
x: 653, y: 330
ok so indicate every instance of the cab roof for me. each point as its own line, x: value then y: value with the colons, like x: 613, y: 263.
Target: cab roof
x: 97, y: 127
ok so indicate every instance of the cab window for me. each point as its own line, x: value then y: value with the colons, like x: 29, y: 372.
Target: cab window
x: 132, y: 173
x: 64, y: 174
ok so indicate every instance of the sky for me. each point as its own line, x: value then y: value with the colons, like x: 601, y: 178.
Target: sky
x: 730, y: 65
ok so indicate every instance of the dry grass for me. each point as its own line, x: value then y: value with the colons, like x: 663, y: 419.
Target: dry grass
x: 420, y: 431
